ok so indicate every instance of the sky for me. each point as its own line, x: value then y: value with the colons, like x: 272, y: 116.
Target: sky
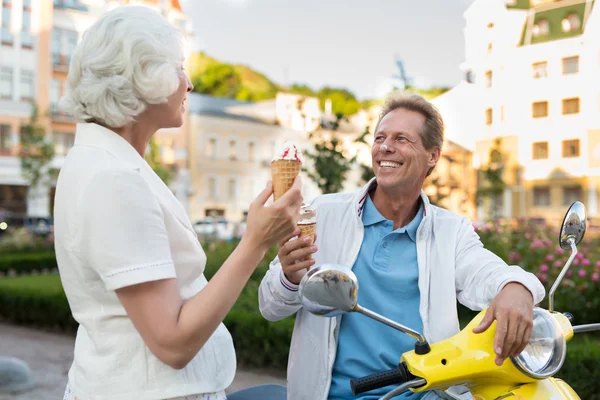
x: 341, y: 43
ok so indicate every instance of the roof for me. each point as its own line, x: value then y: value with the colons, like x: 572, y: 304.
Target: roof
x: 201, y: 104
x: 175, y: 5
x: 553, y: 14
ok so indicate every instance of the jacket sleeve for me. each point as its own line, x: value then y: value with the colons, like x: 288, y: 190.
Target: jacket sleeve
x: 481, y: 275
x: 278, y: 298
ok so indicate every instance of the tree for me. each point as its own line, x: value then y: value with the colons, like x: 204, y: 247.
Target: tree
x: 330, y: 165
x: 342, y: 100
x: 36, y: 153
x: 153, y: 159
x: 219, y: 80
x: 493, y: 184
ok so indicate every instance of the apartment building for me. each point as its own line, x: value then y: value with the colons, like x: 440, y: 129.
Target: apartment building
x: 38, y: 38
x: 531, y: 69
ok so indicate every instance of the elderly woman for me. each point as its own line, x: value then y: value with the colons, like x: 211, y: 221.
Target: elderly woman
x: 150, y: 325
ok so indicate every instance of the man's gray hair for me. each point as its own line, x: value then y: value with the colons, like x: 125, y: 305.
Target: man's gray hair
x: 433, y: 128
x: 128, y: 59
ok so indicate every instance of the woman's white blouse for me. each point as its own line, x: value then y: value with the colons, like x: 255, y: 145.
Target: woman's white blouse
x: 117, y: 224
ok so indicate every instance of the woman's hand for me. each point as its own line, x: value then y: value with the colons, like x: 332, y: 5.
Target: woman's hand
x: 267, y: 225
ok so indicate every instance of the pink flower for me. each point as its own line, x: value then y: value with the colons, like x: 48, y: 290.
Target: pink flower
x: 514, y: 256
x: 569, y: 273
x: 595, y: 277
x: 560, y: 251
x: 549, y: 257
x: 585, y: 262
x: 544, y: 268
x: 576, y: 261
x: 579, y: 256
x: 536, y: 244
x: 597, y: 264
x: 582, y: 273
x: 528, y: 236
x: 558, y: 264
x: 542, y: 277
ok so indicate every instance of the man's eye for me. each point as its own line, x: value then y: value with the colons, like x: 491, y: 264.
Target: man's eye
x: 401, y: 139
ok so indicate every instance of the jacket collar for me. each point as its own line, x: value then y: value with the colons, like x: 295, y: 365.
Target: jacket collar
x: 94, y: 135
x: 360, y: 198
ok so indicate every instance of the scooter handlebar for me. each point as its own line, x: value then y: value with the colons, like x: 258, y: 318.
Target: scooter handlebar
x: 394, y: 376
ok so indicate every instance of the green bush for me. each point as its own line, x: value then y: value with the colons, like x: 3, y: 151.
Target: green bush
x: 535, y: 248
x: 26, y: 263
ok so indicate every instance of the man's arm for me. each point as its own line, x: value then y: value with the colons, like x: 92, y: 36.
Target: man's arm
x: 278, y: 298
x: 483, y: 279
x: 481, y: 275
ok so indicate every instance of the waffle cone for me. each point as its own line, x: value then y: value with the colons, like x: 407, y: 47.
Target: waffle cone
x: 307, y: 230
x: 283, y: 174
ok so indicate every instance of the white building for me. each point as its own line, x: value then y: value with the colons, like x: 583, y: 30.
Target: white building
x: 534, y: 66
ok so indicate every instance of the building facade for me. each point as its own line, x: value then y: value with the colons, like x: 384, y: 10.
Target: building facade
x: 38, y: 38
x: 533, y: 66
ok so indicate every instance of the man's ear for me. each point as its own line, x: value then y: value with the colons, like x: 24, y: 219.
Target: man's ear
x: 434, y: 157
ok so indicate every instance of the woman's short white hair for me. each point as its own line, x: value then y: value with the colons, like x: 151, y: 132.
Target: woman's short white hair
x: 127, y: 59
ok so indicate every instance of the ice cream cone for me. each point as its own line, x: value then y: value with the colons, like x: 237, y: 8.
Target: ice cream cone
x: 283, y: 174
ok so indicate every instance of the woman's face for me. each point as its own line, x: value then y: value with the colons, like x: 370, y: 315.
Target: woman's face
x: 170, y: 114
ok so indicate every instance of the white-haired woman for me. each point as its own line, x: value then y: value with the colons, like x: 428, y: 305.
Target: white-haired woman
x: 150, y: 325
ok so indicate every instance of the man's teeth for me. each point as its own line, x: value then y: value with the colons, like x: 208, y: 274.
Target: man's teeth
x: 389, y: 164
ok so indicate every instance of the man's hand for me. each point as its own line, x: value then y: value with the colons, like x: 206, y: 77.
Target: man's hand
x: 293, y: 256
x: 513, y: 311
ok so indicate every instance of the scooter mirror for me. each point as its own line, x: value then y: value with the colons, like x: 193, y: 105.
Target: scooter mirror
x: 329, y: 290
x: 573, y: 226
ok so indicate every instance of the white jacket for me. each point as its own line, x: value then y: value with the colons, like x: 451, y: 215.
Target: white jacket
x: 453, y: 265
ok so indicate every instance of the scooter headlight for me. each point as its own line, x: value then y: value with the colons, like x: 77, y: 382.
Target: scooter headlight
x: 547, y: 348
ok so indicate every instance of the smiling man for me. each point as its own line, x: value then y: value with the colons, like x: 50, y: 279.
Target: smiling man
x: 413, y: 262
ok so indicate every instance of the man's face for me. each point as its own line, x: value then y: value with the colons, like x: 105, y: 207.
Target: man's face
x: 400, y: 161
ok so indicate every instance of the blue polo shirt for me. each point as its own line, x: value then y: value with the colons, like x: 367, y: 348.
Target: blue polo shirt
x: 388, y: 275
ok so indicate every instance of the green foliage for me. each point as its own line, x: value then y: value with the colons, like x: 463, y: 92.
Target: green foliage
x: 240, y: 82
x: 430, y: 93
x: 535, y: 248
x: 26, y: 263
x: 153, y: 159
x: 493, y: 184
x: 330, y: 165
x: 36, y: 153
x: 220, y: 80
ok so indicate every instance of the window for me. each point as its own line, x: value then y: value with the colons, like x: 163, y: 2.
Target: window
x: 539, y: 109
x: 541, y: 28
x: 541, y: 197
x: 26, y: 37
x: 540, y: 150
x: 63, y: 142
x: 6, y: 35
x: 571, y: 195
x: 571, y: 23
x: 6, y: 83
x: 570, y: 65
x: 251, y: 150
x: 211, y: 149
x: 72, y: 38
x: 488, y: 79
x: 570, y: 106
x: 212, y: 187
x: 5, y: 144
x: 56, y: 45
x: 232, y: 189
x: 570, y: 148
x: 488, y: 116
x: 54, y: 95
x: 27, y: 88
x: 232, y: 150
x: 540, y: 69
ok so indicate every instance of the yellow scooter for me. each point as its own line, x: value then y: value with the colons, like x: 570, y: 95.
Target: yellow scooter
x: 466, y: 359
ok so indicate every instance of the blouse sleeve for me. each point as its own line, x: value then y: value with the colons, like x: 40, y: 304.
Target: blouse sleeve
x: 125, y: 238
